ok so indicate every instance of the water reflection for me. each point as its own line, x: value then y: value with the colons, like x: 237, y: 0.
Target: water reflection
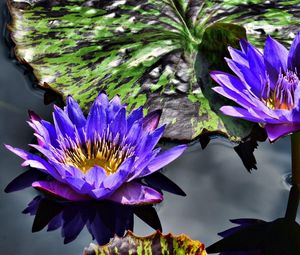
x: 258, y: 237
x: 103, y: 219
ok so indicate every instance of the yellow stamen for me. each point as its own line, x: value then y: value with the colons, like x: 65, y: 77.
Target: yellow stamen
x: 98, y: 152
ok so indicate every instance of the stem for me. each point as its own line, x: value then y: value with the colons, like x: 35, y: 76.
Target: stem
x: 292, y: 207
x: 295, y: 142
x: 186, y: 29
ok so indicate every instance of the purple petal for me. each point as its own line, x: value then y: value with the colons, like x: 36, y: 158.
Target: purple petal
x: 95, y: 176
x: 165, y: 158
x: 234, y: 89
x: 41, y: 133
x: 272, y: 74
x: 276, y: 54
x: 74, y: 171
x: 113, y: 108
x: 151, y: 121
x: 140, y: 165
x: 101, y: 193
x: 44, y: 131
x: 251, y: 114
x: 34, y: 116
x: 275, y: 131
x: 228, y: 80
x: 148, y: 142
x: 238, y: 56
x: 96, y: 121
x: 51, y: 132
x: 35, y: 161
x: 133, y: 193
x: 256, y: 62
x: 79, y: 185
x: 102, y: 99
x: 235, y: 97
x: 63, y: 124
x: 45, y: 151
x: 244, y: 45
x: 134, y: 134
x: 294, y: 54
x: 60, y: 190
x: 250, y: 79
x: 115, y: 180
x: 134, y: 116
x: 74, y: 112
x: 119, y: 124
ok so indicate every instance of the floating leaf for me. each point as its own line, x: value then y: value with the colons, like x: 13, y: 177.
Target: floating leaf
x: 279, y: 18
x: 144, y: 50
x: 153, y: 244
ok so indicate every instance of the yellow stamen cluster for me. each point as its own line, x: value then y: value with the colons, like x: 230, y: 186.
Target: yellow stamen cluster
x: 100, y: 151
x: 272, y: 103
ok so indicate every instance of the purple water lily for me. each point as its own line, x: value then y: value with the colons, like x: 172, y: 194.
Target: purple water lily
x: 267, y: 86
x: 99, y: 157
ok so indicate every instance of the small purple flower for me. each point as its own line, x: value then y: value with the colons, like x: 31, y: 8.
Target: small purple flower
x: 267, y: 86
x: 99, y: 157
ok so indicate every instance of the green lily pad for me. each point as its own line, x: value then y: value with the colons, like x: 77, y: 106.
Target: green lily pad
x: 144, y: 50
x: 279, y: 18
x: 156, y: 243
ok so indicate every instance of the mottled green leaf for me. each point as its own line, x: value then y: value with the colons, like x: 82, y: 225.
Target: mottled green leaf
x: 143, y: 50
x: 279, y: 18
x: 155, y: 244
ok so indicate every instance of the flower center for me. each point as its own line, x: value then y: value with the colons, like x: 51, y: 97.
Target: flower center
x: 283, y: 95
x: 105, y: 152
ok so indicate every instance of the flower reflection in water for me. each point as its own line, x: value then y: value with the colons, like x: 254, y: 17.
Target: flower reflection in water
x: 103, y: 219
x: 258, y: 237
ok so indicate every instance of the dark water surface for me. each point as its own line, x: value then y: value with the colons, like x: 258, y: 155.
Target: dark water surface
x: 217, y: 185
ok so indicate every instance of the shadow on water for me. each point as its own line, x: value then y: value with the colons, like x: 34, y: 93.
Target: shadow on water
x: 102, y: 219
x: 258, y: 237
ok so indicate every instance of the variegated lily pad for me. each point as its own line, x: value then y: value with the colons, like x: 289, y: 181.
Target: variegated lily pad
x: 143, y: 50
x: 279, y: 18
x: 156, y: 243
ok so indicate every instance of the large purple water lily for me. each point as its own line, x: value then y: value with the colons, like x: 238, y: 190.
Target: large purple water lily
x: 99, y: 157
x: 267, y: 86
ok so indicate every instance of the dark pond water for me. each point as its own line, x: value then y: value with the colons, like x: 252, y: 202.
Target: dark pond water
x: 217, y: 185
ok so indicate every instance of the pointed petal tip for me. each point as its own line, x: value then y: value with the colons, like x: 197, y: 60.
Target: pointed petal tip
x: 151, y: 121
x: 102, y: 95
x: 165, y: 158
x: 70, y: 99
x: 17, y: 151
x: 7, y: 146
x: 33, y: 116
x: 213, y: 74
